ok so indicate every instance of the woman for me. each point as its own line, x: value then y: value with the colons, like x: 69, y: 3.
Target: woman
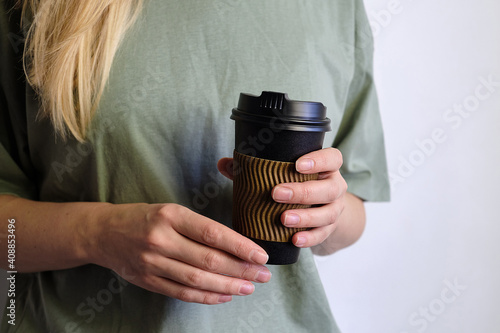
x: 109, y: 157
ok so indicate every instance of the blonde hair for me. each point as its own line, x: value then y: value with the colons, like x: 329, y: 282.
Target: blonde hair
x: 69, y: 50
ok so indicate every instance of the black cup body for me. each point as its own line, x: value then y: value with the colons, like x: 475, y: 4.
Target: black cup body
x: 273, y: 143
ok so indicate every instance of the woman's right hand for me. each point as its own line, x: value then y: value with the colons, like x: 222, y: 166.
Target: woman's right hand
x: 171, y: 250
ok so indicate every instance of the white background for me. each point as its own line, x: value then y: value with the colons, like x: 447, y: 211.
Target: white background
x: 442, y: 226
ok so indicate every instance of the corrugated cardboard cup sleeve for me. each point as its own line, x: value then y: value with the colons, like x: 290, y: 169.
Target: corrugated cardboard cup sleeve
x: 255, y: 213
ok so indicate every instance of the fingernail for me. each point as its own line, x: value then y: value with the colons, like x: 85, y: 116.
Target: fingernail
x: 304, y: 164
x: 246, y: 289
x: 263, y: 276
x: 259, y: 257
x: 225, y: 298
x: 282, y: 194
x: 291, y: 219
x: 300, y: 241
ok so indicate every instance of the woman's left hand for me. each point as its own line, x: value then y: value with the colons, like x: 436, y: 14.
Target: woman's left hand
x: 329, y: 191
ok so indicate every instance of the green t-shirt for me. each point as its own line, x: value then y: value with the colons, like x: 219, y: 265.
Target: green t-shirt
x: 162, y: 125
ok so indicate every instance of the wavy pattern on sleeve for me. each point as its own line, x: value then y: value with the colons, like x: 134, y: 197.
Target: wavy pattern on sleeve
x: 255, y: 213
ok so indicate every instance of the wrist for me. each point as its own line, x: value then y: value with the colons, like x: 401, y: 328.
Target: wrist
x: 91, y: 232
x: 110, y: 229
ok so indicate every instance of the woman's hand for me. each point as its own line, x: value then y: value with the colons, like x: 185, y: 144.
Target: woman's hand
x: 329, y: 191
x: 171, y: 250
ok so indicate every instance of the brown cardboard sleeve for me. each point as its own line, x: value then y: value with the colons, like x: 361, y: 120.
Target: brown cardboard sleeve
x: 255, y: 213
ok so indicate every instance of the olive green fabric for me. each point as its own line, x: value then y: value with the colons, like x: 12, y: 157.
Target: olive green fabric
x: 161, y: 126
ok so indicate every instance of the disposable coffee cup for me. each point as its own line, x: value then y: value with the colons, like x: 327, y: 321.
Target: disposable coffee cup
x: 271, y: 133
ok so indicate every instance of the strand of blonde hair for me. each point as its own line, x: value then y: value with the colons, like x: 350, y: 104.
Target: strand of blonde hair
x: 70, y: 47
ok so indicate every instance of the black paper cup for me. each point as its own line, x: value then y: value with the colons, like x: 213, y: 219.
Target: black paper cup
x: 271, y: 133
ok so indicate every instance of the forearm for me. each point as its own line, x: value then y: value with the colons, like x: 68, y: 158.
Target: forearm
x: 350, y: 227
x: 48, y: 236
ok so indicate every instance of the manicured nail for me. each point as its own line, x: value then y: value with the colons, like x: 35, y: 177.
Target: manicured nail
x: 246, y: 288
x: 263, y: 276
x: 282, y: 194
x: 259, y: 257
x: 225, y: 298
x: 304, y: 164
x: 291, y: 219
x: 300, y: 241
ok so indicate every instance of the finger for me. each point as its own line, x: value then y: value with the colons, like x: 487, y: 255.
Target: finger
x: 217, y: 261
x: 311, y: 192
x: 225, y: 167
x: 199, y: 279
x: 181, y: 292
x: 328, y: 159
x: 313, y: 237
x: 313, y: 217
x: 217, y: 235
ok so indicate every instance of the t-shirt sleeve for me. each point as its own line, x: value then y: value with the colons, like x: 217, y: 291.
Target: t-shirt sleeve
x: 16, y: 172
x: 360, y: 136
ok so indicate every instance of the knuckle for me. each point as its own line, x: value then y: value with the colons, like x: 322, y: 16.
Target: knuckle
x: 208, y: 299
x: 195, y: 278
x: 147, y: 280
x: 335, y: 211
x: 332, y: 194
x: 338, y: 156
x: 144, y: 281
x: 344, y: 185
x: 210, y: 235
x: 340, y: 209
x: 165, y: 215
x: 321, y: 236
x: 211, y: 261
x: 239, y: 248
x: 230, y: 288
x: 144, y: 261
x: 169, y: 212
x: 150, y: 283
x: 338, y: 188
x: 186, y: 295
x: 153, y: 240
x: 246, y: 270
x: 305, y: 193
x: 333, y: 216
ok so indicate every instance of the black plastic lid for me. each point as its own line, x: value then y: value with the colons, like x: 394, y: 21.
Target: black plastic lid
x: 274, y: 108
